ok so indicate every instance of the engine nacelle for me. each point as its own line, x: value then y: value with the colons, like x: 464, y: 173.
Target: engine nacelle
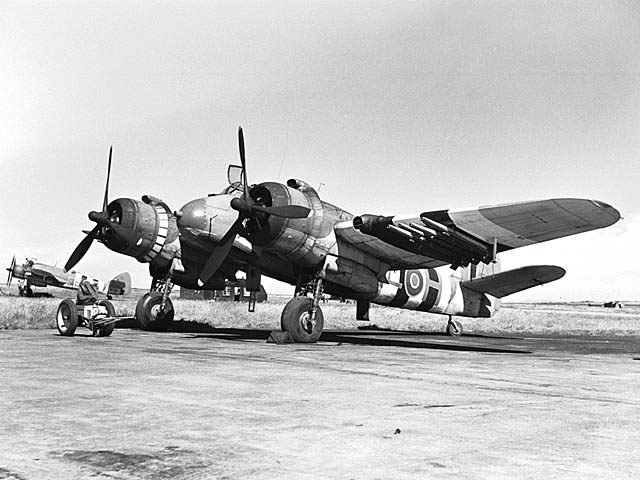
x: 305, y: 241
x: 154, y: 225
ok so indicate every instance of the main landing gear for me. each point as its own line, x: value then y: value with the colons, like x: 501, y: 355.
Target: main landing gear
x: 302, y: 316
x: 25, y: 290
x: 454, y: 327
x: 154, y: 310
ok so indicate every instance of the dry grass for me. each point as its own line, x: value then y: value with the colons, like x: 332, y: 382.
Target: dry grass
x: 27, y: 313
x: 542, y: 319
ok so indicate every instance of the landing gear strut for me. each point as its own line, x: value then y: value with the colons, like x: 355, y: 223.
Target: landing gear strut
x: 302, y: 316
x: 454, y: 327
x: 154, y: 310
x: 25, y: 290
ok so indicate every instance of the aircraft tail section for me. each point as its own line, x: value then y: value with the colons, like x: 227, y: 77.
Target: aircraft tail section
x: 512, y: 281
x: 120, y: 284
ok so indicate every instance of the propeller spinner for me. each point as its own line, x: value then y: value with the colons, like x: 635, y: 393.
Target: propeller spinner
x: 247, y: 208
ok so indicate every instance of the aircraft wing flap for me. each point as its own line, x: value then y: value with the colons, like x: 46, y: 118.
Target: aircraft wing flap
x: 513, y: 281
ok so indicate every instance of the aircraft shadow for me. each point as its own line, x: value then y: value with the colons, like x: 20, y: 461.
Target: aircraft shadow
x: 369, y: 337
x: 389, y: 331
x: 347, y: 337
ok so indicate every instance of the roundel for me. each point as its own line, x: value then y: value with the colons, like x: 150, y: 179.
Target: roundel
x: 414, y: 282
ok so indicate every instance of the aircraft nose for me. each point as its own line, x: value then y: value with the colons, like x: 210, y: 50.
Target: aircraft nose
x: 193, y: 217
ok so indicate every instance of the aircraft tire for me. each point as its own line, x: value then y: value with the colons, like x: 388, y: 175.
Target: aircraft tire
x: 295, y: 318
x: 67, y: 318
x: 148, y: 313
x: 106, y: 330
x: 454, y: 328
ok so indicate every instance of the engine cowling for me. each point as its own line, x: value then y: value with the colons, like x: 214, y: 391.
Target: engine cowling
x: 152, y: 222
x: 305, y: 241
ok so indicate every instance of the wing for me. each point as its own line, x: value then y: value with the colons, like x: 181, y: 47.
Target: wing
x: 471, y: 235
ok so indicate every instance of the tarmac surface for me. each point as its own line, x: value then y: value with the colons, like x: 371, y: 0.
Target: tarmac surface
x: 204, y: 403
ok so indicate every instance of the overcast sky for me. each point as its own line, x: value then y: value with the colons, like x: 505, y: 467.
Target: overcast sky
x: 393, y: 107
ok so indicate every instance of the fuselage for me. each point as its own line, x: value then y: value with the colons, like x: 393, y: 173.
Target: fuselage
x: 292, y: 250
x: 43, y: 275
x: 284, y: 249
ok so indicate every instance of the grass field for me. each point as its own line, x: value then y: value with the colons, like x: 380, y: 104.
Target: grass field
x: 542, y: 319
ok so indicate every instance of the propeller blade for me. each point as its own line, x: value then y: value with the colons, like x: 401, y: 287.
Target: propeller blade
x: 219, y: 254
x: 106, y: 187
x: 10, y: 276
x: 243, y: 162
x: 81, y: 249
x: 284, y: 211
x: 288, y: 211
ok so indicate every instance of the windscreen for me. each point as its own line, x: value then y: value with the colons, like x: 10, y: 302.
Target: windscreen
x: 234, y: 174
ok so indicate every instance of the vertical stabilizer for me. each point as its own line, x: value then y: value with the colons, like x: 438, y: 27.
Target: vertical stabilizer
x: 120, y: 284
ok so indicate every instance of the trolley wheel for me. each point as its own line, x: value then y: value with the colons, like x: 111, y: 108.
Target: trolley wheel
x: 67, y: 317
x: 107, y: 329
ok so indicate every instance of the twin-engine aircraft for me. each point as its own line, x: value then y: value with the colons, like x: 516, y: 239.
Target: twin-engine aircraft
x: 35, y: 274
x: 285, y: 231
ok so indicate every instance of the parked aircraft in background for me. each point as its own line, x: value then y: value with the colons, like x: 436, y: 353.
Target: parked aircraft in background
x: 442, y: 261
x: 34, y: 274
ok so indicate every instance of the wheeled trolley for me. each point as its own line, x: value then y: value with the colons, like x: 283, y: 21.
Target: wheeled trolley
x: 99, y: 317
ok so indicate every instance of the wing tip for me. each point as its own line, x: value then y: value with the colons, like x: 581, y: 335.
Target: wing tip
x: 599, y: 214
x: 611, y: 211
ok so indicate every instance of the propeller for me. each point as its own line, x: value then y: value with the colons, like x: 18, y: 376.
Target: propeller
x: 103, y: 220
x: 220, y: 252
x: 10, y: 276
x: 105, y: 202
x: 247, y: 208
x: 82, y: 248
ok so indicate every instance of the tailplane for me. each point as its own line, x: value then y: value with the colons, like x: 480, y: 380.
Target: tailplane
x: 512, y: 281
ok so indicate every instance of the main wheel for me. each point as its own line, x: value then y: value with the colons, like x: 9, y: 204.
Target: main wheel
x: 454, y: 328
x: 150, y: 314
x: 67, y: 317
x: 107, y: 329
x: 296, y: 319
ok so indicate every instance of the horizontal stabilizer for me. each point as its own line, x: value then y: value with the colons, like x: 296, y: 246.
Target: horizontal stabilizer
x: 513, y: 281
x: 120, y: 284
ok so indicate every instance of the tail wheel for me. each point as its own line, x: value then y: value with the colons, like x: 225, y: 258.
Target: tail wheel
x: 107, y: 329
x: 454, y: 328
x: 67, y: 317
x: 150, y: 314
x: 296, y: 319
